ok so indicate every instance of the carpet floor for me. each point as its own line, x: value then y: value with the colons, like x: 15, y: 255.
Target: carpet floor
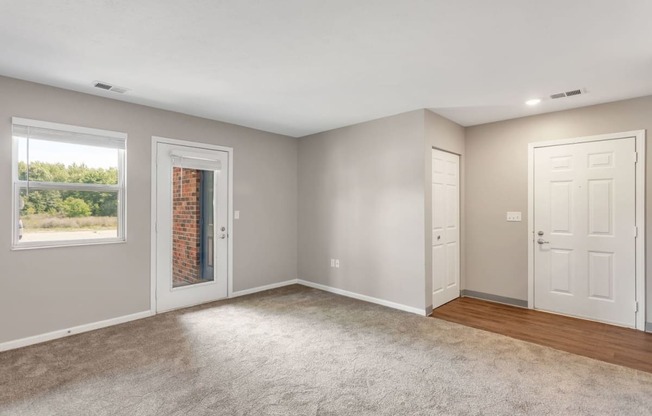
x: 301, y: 351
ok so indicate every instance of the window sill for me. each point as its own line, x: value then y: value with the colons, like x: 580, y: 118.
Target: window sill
x: 58, y: 244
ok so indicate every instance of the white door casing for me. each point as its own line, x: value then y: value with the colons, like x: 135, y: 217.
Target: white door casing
x: 169, y: 155
x: 584, y: 229
x: 445, y: 227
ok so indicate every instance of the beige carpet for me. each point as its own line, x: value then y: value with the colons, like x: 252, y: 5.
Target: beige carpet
x: 300, y: 351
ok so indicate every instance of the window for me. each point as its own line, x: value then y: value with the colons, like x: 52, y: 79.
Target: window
x: 68, y: 185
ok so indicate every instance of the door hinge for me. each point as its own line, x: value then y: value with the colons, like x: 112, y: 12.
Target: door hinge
x: 635, y: 231
x: 635, y: 157
x: 635, y: 306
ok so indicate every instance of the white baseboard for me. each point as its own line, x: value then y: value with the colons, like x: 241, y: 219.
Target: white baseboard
x: 37, y: 339
x: 365, y: 298
x: 263, y: 288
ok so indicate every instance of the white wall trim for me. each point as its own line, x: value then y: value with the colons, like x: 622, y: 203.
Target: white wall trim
x: 530, y: 226
x: 600, y: 137
x: 640, y: 137
x: 153, y: 214
x: 342, y: 292
x: 640, y: 224
x: 494, y: 298
x: 153, y: 230
x: 37, y: 339
x: 69, y: 128
x: 263, y: 288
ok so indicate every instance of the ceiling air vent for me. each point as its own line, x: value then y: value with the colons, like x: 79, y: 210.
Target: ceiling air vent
x: 108, y: 87
x: 568, y: 93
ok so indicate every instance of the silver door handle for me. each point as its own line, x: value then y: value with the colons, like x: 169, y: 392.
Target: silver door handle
x: 222, y: 236
x: 542, y: 241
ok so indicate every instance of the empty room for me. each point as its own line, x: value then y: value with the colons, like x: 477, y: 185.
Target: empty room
x: 302, y: 207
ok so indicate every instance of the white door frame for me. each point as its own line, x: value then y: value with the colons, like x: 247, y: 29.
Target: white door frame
x: 229, y: 150
x: 639, y: 135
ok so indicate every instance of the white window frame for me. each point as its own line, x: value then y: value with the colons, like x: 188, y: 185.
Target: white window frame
x: 120, y: 187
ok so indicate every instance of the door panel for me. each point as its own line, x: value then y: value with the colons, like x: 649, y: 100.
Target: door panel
x: 584, y: 206
x: 600, y: 207
x: 438, y: 268
x: 452, y: 262
x: 561, y: 207
x: 445, y: 227
x: 191, y: 218
x: 601, y: 275
x: 561, y: 271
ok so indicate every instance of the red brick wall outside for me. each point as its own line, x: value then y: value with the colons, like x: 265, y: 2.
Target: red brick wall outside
x: 186, y: 233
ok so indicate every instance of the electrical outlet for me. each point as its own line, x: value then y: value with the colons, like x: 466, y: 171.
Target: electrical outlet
x: 513, y: 216
x: 332, y: 262
x: 337, y: 263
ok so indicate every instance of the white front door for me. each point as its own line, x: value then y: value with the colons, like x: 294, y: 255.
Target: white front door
x: 191, y: 225
x: 445, y: 227
x: 584, y: 225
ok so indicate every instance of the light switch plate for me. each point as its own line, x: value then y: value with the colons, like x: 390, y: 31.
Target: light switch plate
x: 236, y: 215
x: 513, y: 216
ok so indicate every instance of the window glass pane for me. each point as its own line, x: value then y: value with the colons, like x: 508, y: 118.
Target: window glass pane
x: 59, y: 168
x: 54, y: 215
x: 65, y: 162
x: 193, y: 242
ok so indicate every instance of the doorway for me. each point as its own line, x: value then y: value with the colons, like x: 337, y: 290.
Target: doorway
x: 192, y: 241
x: 445, y: 227
x: 586, y: 222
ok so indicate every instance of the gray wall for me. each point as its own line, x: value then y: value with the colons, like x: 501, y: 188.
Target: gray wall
x: 50, y: 289
x: 361, y: 199
x: 496, y: 182
x: 363, y: 195
x: 442, y: 134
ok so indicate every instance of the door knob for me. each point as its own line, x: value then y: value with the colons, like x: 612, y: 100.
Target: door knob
x: 222, y: 236
x: 542, y: 241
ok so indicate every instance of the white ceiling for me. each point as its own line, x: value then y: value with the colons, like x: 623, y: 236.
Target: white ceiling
x: 302, y: 66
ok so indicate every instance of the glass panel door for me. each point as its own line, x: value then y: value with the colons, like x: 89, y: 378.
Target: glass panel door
x: 192, y: 220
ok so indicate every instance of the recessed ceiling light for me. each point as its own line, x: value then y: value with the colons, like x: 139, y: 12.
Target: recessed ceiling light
x: 533, y: 101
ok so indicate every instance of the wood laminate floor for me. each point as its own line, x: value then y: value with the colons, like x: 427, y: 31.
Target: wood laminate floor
x: 613, y: 344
